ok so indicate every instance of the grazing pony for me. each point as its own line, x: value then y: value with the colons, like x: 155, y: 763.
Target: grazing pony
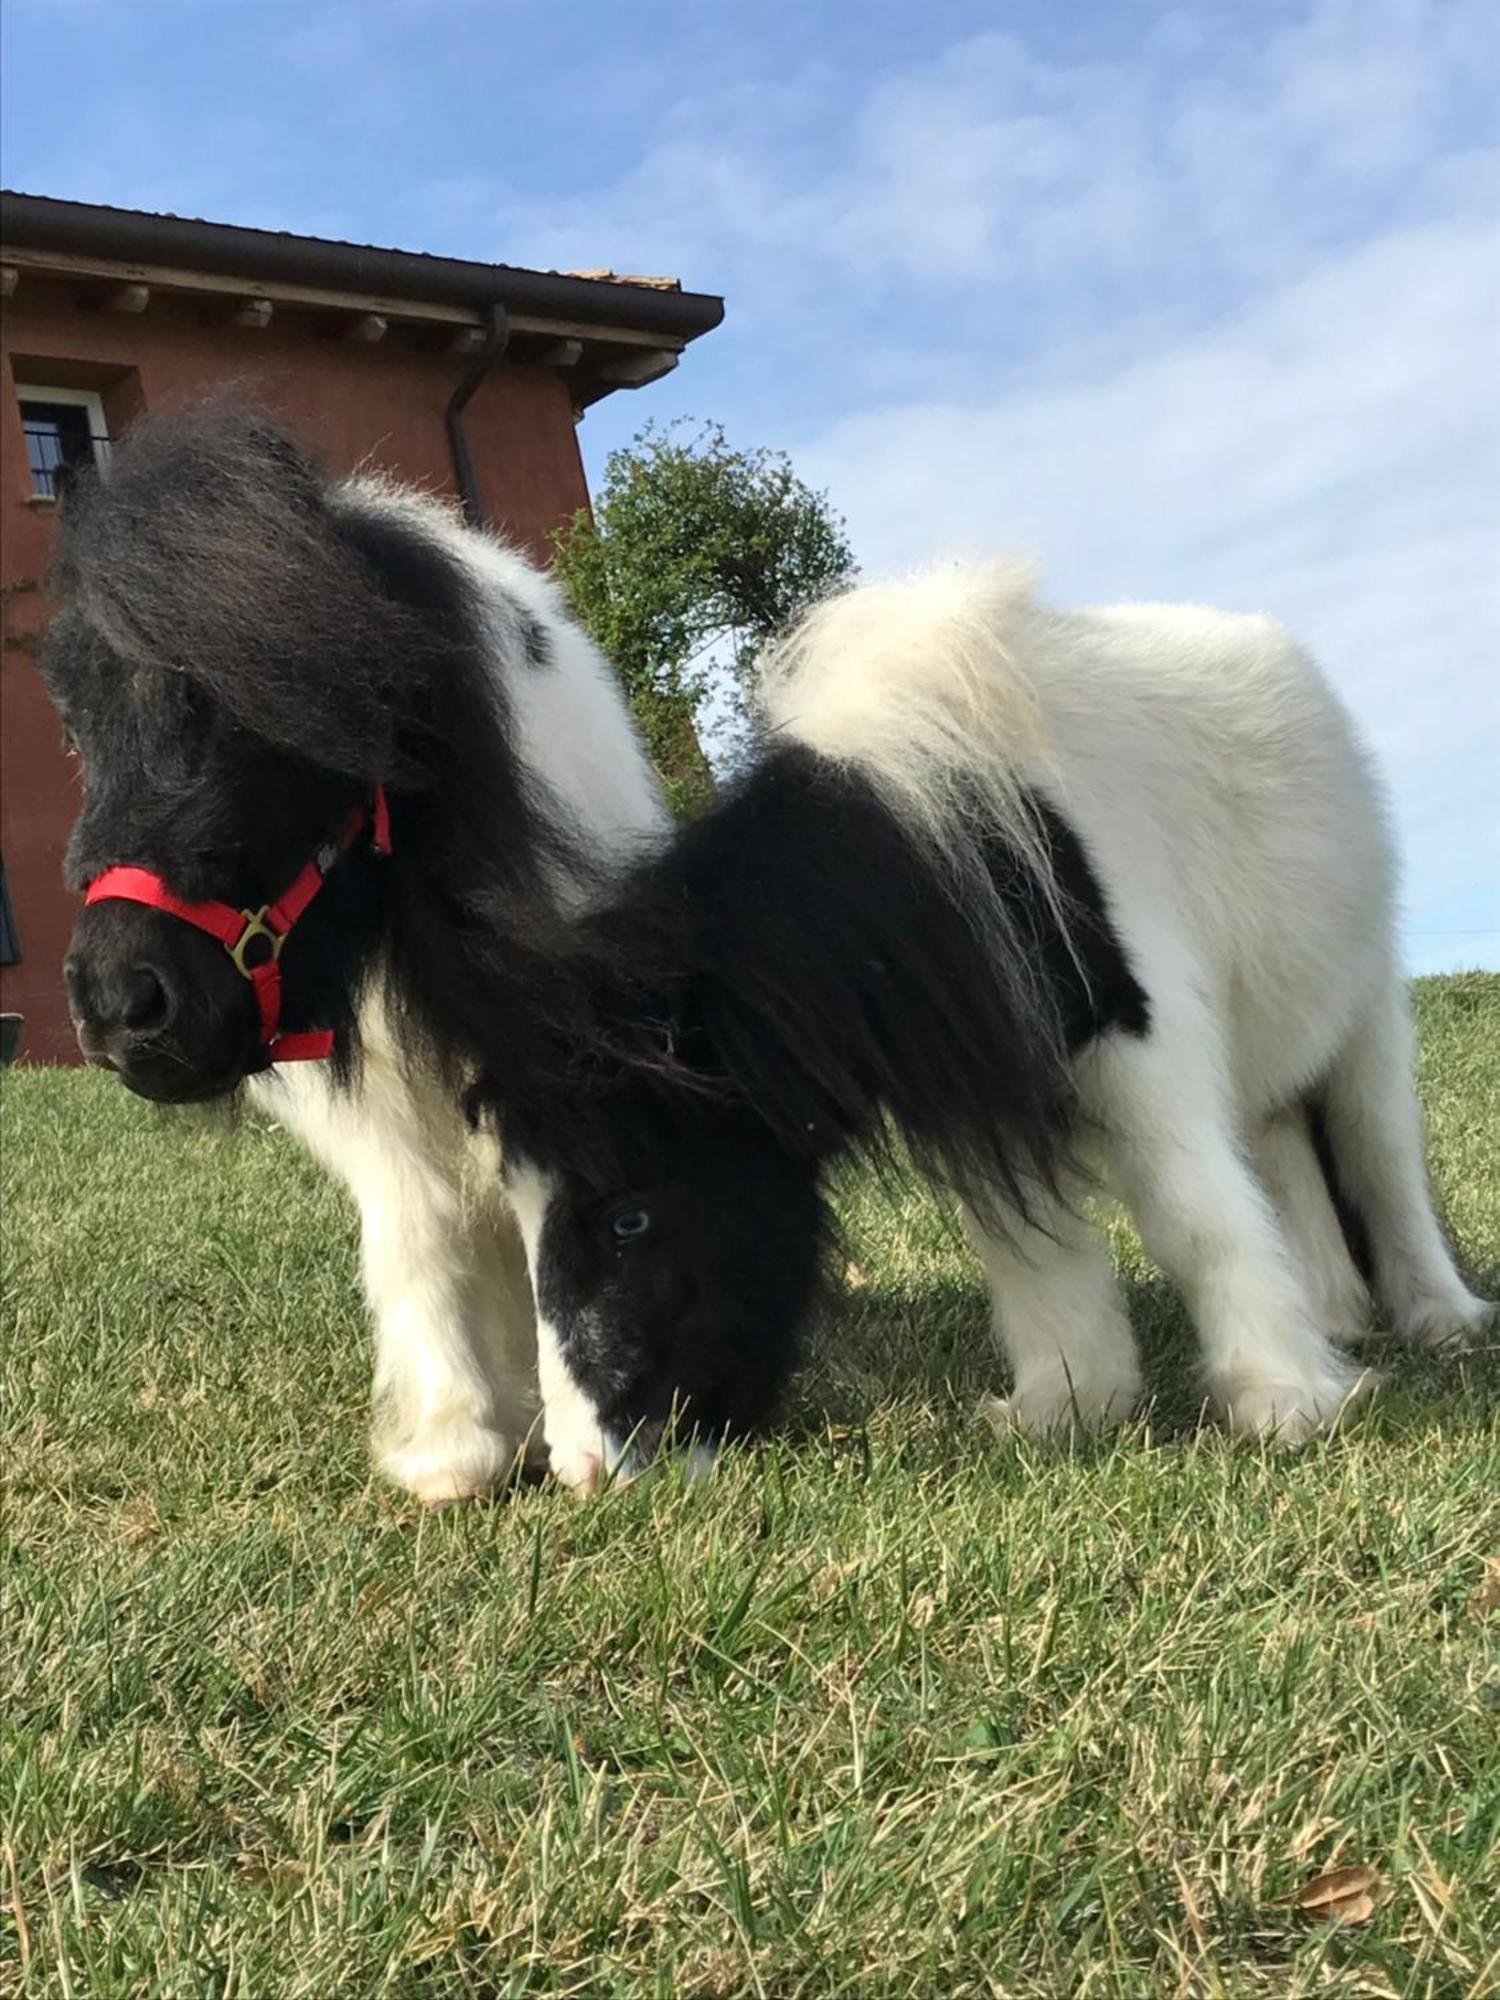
x: 344, y: 765
x: 1051, y: 899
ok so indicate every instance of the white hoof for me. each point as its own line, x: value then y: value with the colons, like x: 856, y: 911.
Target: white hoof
x: 1448, y: 1325
x: 577, y: 1450
x: 456, y: 1460
x: 1049, y: 1403
x: 1291, y: 1410
x: 579, y: 1470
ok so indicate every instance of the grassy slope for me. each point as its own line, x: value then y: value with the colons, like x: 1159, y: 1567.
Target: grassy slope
x: 888, y: 1707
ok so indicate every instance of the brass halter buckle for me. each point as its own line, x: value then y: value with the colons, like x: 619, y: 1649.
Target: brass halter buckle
x: 255, y: 927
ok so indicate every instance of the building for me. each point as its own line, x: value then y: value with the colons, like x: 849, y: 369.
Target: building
x: 462, y: 377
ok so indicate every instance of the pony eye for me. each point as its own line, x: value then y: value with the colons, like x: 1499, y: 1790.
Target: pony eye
x: 632, y: 1224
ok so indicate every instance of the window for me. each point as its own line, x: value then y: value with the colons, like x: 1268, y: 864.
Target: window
x: 64, y: 428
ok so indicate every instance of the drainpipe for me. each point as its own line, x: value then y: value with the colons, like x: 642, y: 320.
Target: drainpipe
x: 495, y: 343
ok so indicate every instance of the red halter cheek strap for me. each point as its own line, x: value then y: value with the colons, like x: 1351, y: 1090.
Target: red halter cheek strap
x: 254, y: 938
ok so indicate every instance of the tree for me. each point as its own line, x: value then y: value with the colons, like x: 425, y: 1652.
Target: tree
x: 694, y: 558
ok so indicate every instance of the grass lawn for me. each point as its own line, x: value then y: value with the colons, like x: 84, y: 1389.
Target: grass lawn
x: 888, y: 1707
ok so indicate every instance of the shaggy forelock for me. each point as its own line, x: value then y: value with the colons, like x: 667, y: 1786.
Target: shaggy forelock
x: 212, y: 546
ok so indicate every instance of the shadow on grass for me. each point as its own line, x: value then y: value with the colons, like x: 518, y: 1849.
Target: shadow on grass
x: 929, y: 1342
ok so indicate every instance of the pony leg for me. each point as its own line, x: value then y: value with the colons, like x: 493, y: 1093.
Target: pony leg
x: 444, y: 1273
x: 1171, y: 1146
x: 578, y: 1451
x: 1292, y: 1175
x: 1375, y: 1129
x: 1060, y: 1318
x: 455, y: 1388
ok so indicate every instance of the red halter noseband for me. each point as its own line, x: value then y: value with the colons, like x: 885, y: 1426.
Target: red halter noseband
x: 253, y: 938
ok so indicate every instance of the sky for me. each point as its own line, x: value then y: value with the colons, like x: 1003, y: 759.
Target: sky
x: 1196, y: 301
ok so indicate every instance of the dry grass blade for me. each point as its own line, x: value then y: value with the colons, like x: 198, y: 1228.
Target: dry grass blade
x: 17, y: 1907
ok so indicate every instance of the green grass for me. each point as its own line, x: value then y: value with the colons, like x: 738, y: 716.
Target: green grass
x: 888, y: 1707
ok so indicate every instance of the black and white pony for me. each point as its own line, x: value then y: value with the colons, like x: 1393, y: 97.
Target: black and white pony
x: 255, y: 664
x: 1054, y: 899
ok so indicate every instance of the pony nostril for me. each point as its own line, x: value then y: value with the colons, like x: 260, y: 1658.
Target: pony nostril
x: 106, y: 999
x: 143, y: 1000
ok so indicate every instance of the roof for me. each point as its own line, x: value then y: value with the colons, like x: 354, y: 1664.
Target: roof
x: 616, y: 321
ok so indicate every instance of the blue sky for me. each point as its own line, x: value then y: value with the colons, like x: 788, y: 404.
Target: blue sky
x: 1194, y: 301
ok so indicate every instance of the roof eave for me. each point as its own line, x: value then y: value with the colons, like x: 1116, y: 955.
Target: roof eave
x: 40, y: 222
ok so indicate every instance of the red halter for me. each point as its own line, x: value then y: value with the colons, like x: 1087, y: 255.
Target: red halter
x: 253, y: 938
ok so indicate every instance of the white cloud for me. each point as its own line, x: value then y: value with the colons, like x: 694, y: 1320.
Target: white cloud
x: 991, y: 164
x: 1333, y: 456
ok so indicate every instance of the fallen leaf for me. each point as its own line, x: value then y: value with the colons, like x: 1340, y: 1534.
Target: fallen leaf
x: 1334, y: 1887
x: 854, y: 1278
x: 1355, y: 1910
x: 1344, y: 1894
x: 1484, y: 1598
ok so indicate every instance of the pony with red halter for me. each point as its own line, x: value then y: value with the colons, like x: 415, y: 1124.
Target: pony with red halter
x: 258, y: 662
x: 254, y: 938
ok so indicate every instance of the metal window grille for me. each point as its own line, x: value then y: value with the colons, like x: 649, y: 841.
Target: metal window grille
x: 59, y: 438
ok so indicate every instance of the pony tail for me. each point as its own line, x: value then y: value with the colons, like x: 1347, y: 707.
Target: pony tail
x: 923, y: 687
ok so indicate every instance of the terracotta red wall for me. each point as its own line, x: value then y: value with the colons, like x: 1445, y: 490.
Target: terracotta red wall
x: 380, y: 404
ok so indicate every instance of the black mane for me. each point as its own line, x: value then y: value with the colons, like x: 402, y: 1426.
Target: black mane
x: 799, y: 956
